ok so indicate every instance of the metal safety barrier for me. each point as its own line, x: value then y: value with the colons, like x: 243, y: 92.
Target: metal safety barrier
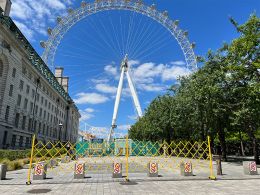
x: 121, y: 157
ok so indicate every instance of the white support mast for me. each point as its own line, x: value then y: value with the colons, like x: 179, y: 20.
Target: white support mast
x: 124, y: 70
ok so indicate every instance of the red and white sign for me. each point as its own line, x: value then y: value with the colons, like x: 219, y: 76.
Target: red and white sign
x: 79, y: 169
x: 117, y: 168
x: 187, y: 167
x: 38, y: 169
x: 252, y: 167
x: 153, y: 167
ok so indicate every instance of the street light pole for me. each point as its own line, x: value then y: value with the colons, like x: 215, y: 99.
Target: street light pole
x: 33, y: 128
x: 60, y: 127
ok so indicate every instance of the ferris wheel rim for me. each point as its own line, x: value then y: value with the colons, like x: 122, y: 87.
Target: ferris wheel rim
x: 65, y: 23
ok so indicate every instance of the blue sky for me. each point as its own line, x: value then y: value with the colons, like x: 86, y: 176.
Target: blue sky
x: 92, y: 50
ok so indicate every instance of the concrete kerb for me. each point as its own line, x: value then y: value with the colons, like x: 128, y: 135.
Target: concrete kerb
x: 3, y: 169
x: 117, y: 170
x: 79, y: 170
x: 152, y: 169
x: 186, y: 169
x: 250, y: 168
x: 40, y: 171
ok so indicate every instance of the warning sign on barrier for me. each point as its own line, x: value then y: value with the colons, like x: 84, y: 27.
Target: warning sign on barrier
x: 252, y: 166
x: 38, y: 170
x: 117, y: 168
x: 187, y: 167
x: 153, y: 168
x: 79, y: 169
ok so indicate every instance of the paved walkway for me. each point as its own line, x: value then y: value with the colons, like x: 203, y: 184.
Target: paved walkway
x: 232, y: 182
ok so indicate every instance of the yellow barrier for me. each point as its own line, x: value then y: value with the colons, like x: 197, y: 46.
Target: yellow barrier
x: 134, y: 156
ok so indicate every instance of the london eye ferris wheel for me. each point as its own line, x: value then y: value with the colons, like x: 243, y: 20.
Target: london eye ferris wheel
x: 103, y: 43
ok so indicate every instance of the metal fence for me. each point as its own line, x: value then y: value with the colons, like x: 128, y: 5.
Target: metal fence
x: 134, y: 157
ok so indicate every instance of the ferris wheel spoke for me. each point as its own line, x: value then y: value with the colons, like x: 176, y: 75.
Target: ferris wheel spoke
x: 101, y: 35
x: 148, y: 40
x: 141, y: 36
x: 157, y: 47
x: 135, y: 36
x: 129, y: 32
x: 152, y: 40
x: 113, y: 40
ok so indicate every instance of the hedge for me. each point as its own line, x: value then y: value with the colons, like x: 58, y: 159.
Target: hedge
x: 14, y: 154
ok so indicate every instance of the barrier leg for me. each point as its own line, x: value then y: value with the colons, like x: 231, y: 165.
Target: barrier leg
x: 31, y: 159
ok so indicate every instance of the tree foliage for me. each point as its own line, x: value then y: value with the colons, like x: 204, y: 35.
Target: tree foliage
x: 222, y: 99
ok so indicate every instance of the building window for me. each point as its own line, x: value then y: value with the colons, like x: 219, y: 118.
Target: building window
x: 35, y: 124
x: 11, y: 90
x: 49, y: 106
x: 43, y: 130
x: 45, y: 103
x: 33, y: 93
x: 19, y: 100
x: 44, y: 114
x: 16, y: 121
x: 30, y: 125
x: 21, y: 85
x: 7, y: 113
x: 14, y: 72
x: 38, y: 97
x: 1, y: 68
x: 27, y: 89
x: 40, y: 125
x: 24, y: 122
x: 31, y: 107
x: 42, y: 100
x: 27, y: 142
x: 25, y: 104
x: 40, y: 114
x: 21, y: 141
x: 47, y: 131
x: 13, y: 140
x: 36, y: 109
x: 24, y: 71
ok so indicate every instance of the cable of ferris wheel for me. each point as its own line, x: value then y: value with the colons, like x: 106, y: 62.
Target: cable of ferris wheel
x: 136, y: 35
x: 138, y: 42
x: 161, y: 44
x: 101, y: 35
x: 129, y: 34
x: 114, y: 33
x: 151, y: 39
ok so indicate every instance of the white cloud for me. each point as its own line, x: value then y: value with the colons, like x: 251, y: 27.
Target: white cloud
x: 105, y: 88
x: 123, y: 127
x: 27, y: 32
x: 90, y: 98
x: 56, y: 4
x: 86, y: 114
x: 99, y: 80
x: 172, y: 73
x: 111, y: 70
x: 132, y: 117
x: 36, y: 15
x: 152, y: 87
x: 133, y: 62
x: 178, y: 63
x: 89, y: 110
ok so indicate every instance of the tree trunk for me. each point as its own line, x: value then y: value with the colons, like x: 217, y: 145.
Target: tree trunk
x: 255, y: 151
x: 222, y: 140
x: 254, y: 146
x: 241, y: 144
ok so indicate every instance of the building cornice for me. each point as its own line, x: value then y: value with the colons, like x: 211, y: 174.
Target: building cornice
x: 34, y: 58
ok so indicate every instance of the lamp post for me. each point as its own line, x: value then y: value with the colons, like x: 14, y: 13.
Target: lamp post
x: 33, y: 127
x: 60, y: 127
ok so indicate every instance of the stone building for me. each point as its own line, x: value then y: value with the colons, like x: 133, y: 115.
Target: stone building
x: 32, y: 99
